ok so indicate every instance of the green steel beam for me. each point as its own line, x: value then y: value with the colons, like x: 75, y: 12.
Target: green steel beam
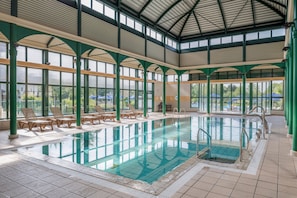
x: 143, y: 8
x: 145, y: 92
x: 50, y: 41
x: 223, y: 15
x: 189, y: 14
x: 13, y: 81
x: 79, y: 23
x: 251, y: 97
x: 180, y: 18
x: 14, y: 8
x: 272, y: 8
x: 198, y: 24
x: 166, y: 11
x: 253, y: 11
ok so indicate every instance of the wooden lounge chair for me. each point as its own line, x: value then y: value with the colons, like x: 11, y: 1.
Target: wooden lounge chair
x: 89, y: 117
x: 136, y: 112
x: 105, y: 115
x: 32, y: 121
x: 128, y: 114
x: 60, y: 118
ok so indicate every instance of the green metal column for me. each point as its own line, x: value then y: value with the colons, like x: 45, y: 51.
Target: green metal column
x: 291, y: 101
x: 286, y: 90
x: 86, y: 87
x: 145, y: 92
x: 294, y: 142
x: 45, y: 91
x: 118, y: 89
x: 78, y: 83
x: 243, y: 92
x: 164, y: 94
x: 208, y: 93
x: 13, y: 82
x: 221, y: 97
x: 178, y: 93
x: 251, y: 97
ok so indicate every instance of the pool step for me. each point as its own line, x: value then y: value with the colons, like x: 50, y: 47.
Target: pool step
x: 203, y: 152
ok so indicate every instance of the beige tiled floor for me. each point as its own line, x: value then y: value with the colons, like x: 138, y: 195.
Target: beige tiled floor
x: 21, y: 176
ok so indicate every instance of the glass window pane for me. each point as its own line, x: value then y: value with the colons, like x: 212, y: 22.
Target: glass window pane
x: 194, y: 44
x: 159, y: 37
x: 98, y: 6
x: 140, y: 85
x: 21, y: 74
x: 226, y: 39
x: 109, y: 83
x: 278, y: 32
x: 86, y: 3
x: 34, y: 98
x: 109, y: 12
x: 92, y: 81
x: 138, y: 26
x: 126, y: 71
x: 34, y: 76
x: 132, y: 84
x: 3, y: 103
x: 130, y: 22
x: 67, y: 78
x: 34, y: 55
x: 132, y: 72
x: 3, y: 73
x: 184, y: 46
x: 54, y: 77
x: 125, y: 84
x: 252, y: 36
x: 67, y: 61
x: 237, y: 38
x: 203, y: 43
x: 123, y: 19
x: 109, y: 68
x: 215, y: 41
x: 54, y: 59
x: 101, y: 81
x: 92, y: 65
x: 21, y: 53
x: 3, y: 50
x: 264, y: 34
x: 101, y: 67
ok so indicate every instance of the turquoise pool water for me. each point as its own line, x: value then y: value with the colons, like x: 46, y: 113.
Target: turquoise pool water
x: 147, y: 151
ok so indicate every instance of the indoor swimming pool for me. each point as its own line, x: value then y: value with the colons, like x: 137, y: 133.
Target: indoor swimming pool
x: 149, y: 150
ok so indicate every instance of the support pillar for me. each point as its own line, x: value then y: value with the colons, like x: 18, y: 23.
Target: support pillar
x: 164, y: 94
x: 145, y: 92
x: 243, y: 93
x: 118, y: 90
x: 13, y: 82
x: 78, y: 85
x: 208, y: 94
x: 294, y: 121
x: 178, y: 93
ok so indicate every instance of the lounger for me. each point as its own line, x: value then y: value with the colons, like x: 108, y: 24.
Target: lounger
x: 60, y: 118
x: 136, y: 112
x: 105, y: 115
x: 89, y: 117
x: 31, y: 120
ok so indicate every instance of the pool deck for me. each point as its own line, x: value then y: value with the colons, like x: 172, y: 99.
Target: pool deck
x: 24, y: 176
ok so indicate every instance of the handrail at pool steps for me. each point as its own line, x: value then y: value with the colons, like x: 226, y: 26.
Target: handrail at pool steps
x: 243, y: 133
x: 201, y: 153
x: 262, y: 116
x: 175, y: 111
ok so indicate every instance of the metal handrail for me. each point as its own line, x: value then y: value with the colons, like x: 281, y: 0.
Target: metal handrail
x: 262, y: 117
x: 243, y: 132
x: 208, y: 139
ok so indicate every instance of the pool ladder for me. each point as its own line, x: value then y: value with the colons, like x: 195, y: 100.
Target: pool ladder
x: 262, y: 117
x: 206, y: 149
x: 243, y: 133
x: 175, y: 111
